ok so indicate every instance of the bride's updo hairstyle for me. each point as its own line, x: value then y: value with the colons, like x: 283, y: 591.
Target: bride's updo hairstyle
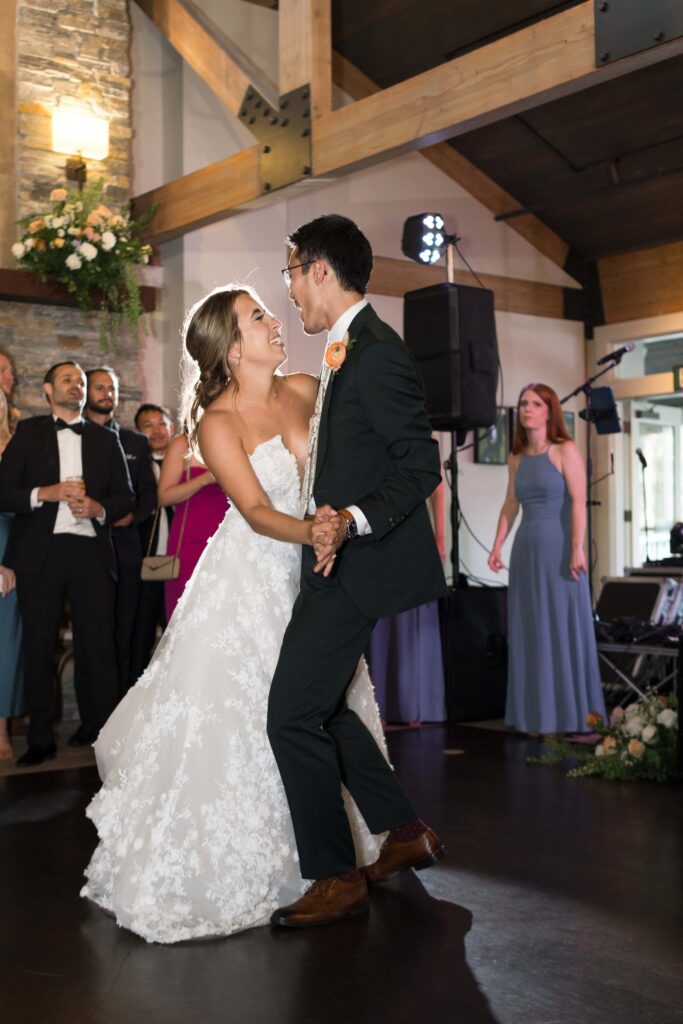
x: 209, y: 332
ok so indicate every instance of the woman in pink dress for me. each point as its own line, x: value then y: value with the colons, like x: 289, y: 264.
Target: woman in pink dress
x: 199, y: 508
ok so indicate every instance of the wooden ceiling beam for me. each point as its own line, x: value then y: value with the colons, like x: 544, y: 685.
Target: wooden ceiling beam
x: 455, y: 166
x: 393, y: 277
x: 641, y: 284
x: 202, y: 197
x: 305, y: 49
x: 218, y: 61
x: 550, y: 59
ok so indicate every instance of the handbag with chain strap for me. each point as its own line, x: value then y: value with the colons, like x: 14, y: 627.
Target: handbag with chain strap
x: 159, y: 568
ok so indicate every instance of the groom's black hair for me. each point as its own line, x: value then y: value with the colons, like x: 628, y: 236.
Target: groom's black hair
x: 341, y: 243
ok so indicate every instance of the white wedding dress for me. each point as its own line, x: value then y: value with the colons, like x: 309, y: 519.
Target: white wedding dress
x: 195, y: 837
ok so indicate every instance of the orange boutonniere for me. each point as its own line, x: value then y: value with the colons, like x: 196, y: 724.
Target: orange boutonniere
x: 336, y: 353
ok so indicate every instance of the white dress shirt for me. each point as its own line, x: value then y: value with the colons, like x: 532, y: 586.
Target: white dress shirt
x: 70, y: 465
x: 162, y: 529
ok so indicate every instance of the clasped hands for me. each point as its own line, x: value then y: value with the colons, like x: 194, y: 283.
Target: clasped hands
x: 73, y: 493
x: 328, y: 533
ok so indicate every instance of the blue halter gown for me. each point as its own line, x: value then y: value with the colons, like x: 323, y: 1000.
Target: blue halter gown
x: 553, y: 673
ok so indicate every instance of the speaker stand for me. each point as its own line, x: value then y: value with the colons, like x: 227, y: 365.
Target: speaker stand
x: 458, y: 437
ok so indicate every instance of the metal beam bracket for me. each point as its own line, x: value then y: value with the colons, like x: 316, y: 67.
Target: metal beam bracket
x: 625, y: 27
x: 284, y: 134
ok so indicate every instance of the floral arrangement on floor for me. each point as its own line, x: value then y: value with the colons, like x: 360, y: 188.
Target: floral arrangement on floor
x: 91, y: 249
x: 639, y: 742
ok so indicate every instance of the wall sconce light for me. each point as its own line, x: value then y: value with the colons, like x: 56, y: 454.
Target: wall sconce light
x: 81, y: 134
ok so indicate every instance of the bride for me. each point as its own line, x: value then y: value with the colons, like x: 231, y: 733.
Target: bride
x: 195, y: 837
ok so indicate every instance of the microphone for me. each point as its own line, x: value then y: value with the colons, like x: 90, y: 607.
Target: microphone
x: 641, y: 458
x: 616, y: 357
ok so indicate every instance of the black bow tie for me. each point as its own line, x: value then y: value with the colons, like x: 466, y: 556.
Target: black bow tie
x: 76, y: 427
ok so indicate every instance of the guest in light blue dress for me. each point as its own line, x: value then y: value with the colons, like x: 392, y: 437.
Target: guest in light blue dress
x: 553, y: 674
x: 11, y: 661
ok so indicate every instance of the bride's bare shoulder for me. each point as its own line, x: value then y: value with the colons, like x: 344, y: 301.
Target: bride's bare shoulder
x: 304, y: 384
x: 219, y: 419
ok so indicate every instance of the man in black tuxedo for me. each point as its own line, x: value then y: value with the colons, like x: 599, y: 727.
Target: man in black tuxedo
x: 372, y: 465
x: 155, y: 422
x: 101, y: 403
x: 66, y: 480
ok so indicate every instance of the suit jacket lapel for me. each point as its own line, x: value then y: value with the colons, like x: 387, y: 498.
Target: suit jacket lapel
x: 322, y: 430
x: 357, y: 324
x: 51, y: 447
x: 88, y: 455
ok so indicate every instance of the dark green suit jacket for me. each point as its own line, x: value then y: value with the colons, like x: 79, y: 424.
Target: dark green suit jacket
x: 376, y: 451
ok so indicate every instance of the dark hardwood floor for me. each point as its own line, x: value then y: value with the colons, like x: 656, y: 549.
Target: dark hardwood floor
x: 559, y: 903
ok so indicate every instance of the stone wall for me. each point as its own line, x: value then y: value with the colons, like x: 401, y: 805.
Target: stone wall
x: 77, y: 49
x: 38, y: 336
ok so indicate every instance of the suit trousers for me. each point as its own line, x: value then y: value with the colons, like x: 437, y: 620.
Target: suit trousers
x: 74, y: 570
x: 151, y: 612
x: 318, y: 742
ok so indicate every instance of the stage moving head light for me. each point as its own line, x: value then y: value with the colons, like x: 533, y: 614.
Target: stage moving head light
x: 424, y: 238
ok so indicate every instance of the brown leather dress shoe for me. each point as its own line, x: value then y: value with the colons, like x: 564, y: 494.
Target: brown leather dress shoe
x: 327, y: 901
x: 396, y: 856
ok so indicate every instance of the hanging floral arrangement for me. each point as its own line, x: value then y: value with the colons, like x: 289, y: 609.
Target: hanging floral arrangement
x: 93, y: 251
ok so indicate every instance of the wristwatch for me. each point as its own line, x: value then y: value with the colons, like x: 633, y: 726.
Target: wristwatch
x: 351, y: 525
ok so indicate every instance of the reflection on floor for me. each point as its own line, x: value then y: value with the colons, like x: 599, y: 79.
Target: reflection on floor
x: 559, y: 903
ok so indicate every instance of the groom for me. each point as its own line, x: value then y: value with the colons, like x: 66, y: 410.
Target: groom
x: 372, y: 461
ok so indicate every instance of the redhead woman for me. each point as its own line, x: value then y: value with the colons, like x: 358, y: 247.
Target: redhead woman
x: 553, y: 674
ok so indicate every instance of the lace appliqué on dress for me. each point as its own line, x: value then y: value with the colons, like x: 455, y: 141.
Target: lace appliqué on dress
x: 195, y: 836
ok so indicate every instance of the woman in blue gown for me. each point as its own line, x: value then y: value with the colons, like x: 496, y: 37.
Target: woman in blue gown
x: 553, y: 674
x: 11, y: 663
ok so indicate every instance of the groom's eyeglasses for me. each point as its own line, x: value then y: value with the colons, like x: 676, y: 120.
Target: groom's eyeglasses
x: 286, y: 272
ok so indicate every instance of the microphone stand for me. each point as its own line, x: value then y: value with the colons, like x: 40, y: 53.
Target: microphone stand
x: 643, y: 465
x: 586, y: 388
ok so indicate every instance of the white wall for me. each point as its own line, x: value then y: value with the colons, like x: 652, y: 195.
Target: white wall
x: 251, y: 246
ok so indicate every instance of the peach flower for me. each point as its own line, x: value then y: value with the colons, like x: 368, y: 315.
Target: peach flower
x: 57, y: 243
x: 58, y: 195
x: 594, y: 720
x: 93, y: 218
x: 609, y: 745
x: 617, y: 716
x: 36, y: 225
x: 636, y: 748
x: 335, y: 355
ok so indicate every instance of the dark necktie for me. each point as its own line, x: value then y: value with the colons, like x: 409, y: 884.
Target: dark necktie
x: 76, y: 427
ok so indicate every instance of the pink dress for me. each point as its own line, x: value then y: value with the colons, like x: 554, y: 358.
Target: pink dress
x: 206, y: 511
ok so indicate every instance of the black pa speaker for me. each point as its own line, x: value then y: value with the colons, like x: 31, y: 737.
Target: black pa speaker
x: 451, y: 331
x: 474, y: 634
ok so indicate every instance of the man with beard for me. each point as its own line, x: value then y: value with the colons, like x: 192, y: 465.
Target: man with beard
x: 101, y: 403
x: 66, y: 481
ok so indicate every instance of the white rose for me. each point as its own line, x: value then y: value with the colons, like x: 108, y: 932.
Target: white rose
x: 599, y: 750
x: 18, y: 250
x: 73, y: 231
x: 48, y: 221
x: 88, y: 251
x: 29, y: 243
x: 61, y: 232
x: 58, y: 222
x: 649, y: 734
x: 108, y: 240
x: 668, y: 718
x: 73, y: 262
x: 634, y: 726
x: 632, y: 709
